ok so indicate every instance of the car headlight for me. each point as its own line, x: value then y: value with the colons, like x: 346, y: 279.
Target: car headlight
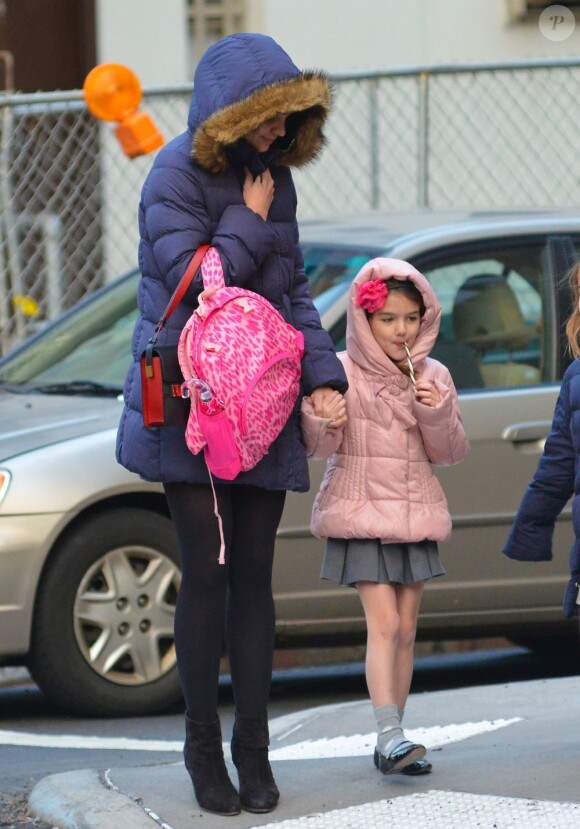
x: 5, y: 478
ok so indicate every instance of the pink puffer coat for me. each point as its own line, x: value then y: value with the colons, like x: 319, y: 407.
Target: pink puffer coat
x: 379, y: 482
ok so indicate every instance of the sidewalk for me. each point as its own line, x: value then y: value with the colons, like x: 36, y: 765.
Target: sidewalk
x: 503, y: 756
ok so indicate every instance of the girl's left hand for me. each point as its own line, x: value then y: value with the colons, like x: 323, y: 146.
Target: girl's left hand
x: 427, y: 393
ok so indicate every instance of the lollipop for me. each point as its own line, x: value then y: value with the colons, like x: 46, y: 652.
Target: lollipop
x: 410, y: 364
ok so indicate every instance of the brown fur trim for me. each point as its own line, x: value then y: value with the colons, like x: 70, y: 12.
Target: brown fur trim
x: 309, y: 90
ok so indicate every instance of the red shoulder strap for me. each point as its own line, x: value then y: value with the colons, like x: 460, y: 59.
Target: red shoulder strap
x: 184, y: 283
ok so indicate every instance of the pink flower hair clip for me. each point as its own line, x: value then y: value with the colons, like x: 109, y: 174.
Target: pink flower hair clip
x: 372, y: 295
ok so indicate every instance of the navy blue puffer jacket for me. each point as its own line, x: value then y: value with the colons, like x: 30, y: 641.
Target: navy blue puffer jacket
x: 557, y: 478
x: 192, y: 196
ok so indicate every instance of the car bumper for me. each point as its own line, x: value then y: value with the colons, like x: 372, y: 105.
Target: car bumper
x: 22, y: 556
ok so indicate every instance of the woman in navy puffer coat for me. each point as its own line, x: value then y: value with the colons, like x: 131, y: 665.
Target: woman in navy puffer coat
x: 226, y: 181
x: 557, y: 477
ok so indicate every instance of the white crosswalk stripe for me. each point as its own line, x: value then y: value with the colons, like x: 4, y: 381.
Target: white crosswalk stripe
x: 358, y: 745
x: 353, y: 746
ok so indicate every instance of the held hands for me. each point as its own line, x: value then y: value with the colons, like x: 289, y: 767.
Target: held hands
x: 258, y: 193
x: 426, y: 392
x: 329, y: 403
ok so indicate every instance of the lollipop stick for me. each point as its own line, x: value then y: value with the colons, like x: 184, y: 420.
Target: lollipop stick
x: 410, y: 364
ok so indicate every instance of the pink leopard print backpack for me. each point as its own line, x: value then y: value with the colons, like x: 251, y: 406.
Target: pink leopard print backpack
x: 241, y: 363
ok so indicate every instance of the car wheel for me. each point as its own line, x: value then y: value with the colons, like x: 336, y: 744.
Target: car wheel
x: 102, y: 640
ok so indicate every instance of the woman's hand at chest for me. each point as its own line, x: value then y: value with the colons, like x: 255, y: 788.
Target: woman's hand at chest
x: 258, y: 193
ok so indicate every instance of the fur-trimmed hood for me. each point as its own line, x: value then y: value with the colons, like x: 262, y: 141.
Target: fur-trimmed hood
x: 244, y: 80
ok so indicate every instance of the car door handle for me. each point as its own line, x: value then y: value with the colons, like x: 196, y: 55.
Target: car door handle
x: 527, y: 432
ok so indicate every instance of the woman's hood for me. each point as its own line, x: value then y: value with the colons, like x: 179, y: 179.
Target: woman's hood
x: 244, y: 80
x: 360, y: 343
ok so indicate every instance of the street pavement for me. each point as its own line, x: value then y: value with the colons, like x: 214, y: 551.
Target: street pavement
x: 503, y: 756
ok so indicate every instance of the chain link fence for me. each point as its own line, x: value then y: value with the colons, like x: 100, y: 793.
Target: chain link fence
x: 476, y: 136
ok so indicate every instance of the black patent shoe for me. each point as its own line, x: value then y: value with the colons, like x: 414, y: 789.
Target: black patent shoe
x: 419, y: 767
x: 405, y: 754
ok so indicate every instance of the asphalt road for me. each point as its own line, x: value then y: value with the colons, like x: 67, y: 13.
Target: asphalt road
x: 25, y: 710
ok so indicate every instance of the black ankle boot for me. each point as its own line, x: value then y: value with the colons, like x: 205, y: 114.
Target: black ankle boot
x: 258, y: 790
x: 204, y: 760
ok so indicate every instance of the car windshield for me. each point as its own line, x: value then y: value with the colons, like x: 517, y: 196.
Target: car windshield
x: 87, y: 351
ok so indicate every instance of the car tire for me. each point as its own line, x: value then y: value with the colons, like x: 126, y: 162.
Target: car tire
x: 550, y: 645
x: 102, y: 639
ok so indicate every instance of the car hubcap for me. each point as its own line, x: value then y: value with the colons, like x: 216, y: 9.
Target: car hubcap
x: 123, y: 615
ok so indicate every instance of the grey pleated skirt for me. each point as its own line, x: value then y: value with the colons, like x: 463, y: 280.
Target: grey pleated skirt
x: 347, y: 561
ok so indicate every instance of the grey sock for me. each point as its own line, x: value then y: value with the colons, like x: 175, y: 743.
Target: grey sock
x: 389, y: 727
x: 401, y: 714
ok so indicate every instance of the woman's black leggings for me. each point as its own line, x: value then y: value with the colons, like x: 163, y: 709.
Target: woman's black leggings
x: 232, y: 601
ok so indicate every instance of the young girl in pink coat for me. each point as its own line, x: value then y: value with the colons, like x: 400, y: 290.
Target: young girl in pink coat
x: 380, y: 506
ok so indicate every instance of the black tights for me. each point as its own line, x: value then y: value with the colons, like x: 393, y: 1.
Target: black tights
x: 235, y: 598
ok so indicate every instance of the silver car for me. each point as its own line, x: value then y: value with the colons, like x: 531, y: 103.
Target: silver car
x: 89, y: 566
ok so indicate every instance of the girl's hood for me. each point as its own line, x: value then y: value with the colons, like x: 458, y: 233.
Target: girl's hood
x: 242, y: 81
x: 361, y: 346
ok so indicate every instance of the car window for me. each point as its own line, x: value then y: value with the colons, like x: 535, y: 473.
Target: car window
x: 329, y: 269
x: 492, y: 326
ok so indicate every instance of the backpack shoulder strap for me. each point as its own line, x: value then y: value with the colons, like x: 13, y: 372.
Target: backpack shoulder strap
x: 211, y: 270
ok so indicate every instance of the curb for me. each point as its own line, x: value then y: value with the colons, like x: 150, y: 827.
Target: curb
x: 92, y: 806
